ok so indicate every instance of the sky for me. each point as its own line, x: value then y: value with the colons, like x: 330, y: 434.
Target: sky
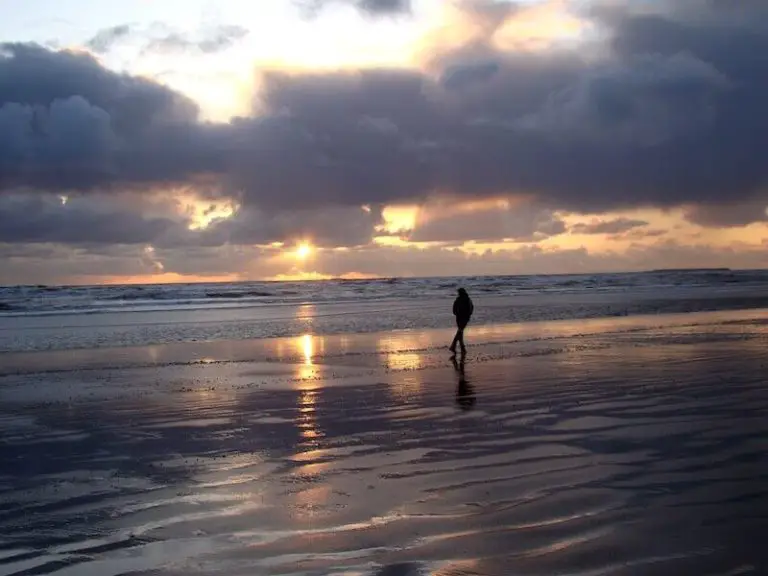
x: 170, y: 140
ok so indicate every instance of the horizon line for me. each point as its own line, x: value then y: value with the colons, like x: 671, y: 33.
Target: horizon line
x: 371, y: 278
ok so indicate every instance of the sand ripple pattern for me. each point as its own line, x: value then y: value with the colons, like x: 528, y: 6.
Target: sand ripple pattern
x: 619, y: 460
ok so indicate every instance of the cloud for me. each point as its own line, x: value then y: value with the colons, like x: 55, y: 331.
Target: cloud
x: 518, y: 222
x: 52, y: 263
x: 640, y: 234
x: 49, y: 263
x: 636, y: 126
x: 33, y: 76
x: 669, y: 111
x: 105, y: 39
x: 37, y: 219
x: 531, y: 259
x: 615, y: 226
x: 208, y: 40
x: 370, y: 7
x: 326, y: 227
x: 166, y: 222
x: 384, y: 6
x: 729, y: 215
x: 67, y: 123
x: 643, y: 101
x: 411, y: 261
x: 211, y: 40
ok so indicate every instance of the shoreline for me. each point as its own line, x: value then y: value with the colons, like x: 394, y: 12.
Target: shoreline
x: 369, y: 348
x: 144, y: 316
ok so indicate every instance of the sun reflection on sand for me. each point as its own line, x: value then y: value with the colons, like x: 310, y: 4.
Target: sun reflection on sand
x: 308, y: 370
x: 307, y: 348
x: 306, y: 421
x: 401, y: 350
x: 401, y: 354
x: 403, y: 361
x: 307, y: 502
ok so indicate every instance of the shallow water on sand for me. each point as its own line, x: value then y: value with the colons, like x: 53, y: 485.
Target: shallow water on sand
x: 644, y: 454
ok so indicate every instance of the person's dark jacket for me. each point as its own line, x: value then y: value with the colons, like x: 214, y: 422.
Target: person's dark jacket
x: 462, y: 309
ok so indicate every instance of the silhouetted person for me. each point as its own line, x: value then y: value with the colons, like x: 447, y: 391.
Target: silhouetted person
x: 462, y: 309
x: 465, y: 396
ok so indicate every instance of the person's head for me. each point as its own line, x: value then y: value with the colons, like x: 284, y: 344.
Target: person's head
x: 462, y: 292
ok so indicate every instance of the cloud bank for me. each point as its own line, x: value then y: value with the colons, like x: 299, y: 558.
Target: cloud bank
x: 661, y: 107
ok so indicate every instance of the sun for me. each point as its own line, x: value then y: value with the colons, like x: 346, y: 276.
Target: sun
x: 304, y: 251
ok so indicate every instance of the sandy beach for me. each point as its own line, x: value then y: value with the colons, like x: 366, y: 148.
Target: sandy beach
x: 609, y: 446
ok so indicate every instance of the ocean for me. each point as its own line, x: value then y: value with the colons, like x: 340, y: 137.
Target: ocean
x: 36, y: 318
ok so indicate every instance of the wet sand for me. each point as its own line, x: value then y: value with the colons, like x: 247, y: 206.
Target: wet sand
x: 595, y: 449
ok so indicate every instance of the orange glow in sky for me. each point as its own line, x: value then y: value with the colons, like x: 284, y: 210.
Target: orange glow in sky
x: 163, y: 278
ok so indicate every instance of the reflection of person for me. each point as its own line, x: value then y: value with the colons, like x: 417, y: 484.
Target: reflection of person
x: 462, y: 309
x: 465, y: 396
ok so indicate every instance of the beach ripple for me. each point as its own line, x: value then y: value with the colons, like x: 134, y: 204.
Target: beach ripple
x: 621, y: 460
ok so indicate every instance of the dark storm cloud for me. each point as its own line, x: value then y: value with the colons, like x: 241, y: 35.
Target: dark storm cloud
x: 608, y: 139
x: 31, y: 75
x: 728, y: 215
x: 615, y: 226
x: 37, y: 219
x: 67, y: 123
x: 327, y: 227
x: 106, y: 219
x: 671, y: 113
x: 517, y: 223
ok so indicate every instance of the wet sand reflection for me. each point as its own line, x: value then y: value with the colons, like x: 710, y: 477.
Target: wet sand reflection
x: 399, y: 352
x: 465, y: 393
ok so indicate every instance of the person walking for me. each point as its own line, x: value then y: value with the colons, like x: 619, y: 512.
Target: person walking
x: 462, y: 309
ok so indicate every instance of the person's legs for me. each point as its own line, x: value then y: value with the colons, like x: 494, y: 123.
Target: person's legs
x: 459, y: 337
x: 456, y: 339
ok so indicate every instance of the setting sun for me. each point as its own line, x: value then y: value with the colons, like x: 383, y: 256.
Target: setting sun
x: 303, y: 251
